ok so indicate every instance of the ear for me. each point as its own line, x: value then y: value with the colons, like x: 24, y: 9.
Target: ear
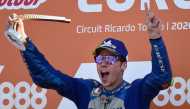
x: 124, y: 66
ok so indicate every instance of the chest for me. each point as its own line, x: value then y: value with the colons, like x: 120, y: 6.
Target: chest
x: 106, y: 102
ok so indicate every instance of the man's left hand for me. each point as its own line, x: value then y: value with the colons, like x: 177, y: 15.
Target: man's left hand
x: 153, y: 24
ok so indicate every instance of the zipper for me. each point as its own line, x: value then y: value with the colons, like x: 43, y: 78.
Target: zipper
x: 105, y: 106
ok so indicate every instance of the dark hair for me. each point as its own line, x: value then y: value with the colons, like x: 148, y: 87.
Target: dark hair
x: 122, y: 59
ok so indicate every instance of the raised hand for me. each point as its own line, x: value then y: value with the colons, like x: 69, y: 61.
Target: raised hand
x: 17, y: 25
x: 15, y: 32
x: 153, y: 24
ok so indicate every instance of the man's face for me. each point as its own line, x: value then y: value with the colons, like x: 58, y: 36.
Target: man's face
x: 111, y: 74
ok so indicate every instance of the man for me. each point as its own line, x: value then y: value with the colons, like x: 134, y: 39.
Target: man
x: 110, y: 56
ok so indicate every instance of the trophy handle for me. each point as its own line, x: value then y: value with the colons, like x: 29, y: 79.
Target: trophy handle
x: 40, y: 17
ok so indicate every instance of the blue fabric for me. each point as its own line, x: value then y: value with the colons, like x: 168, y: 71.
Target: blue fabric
x: 136, y: 95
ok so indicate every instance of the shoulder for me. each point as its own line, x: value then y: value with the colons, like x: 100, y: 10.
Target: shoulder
x: 136, y: 84
x: 91, y: 83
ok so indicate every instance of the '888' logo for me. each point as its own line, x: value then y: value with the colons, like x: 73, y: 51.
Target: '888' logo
x: 21, y: 96
x: 177, y: 94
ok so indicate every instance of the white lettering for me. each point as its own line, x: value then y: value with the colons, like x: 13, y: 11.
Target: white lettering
x: 183, y: 4
x: 162, y: 5
x: 114, y: 5
x: 119, y: 28
x: 85, y: 7
x: 89, y: 29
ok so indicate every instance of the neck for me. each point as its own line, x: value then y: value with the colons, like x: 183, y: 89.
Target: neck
x: 114, y: 86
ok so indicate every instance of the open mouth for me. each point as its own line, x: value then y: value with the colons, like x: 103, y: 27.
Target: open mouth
x: 104, y: 75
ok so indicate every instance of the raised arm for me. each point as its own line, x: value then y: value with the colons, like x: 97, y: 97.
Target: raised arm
x: 161, y: 75
x: 42, y: 73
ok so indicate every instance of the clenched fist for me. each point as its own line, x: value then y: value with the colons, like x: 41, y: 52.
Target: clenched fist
x: 15, y: 32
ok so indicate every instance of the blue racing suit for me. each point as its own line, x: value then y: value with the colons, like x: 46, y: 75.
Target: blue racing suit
x: 90, y: 94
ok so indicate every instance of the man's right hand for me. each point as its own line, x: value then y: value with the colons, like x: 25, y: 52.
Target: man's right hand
x: 15, y: 32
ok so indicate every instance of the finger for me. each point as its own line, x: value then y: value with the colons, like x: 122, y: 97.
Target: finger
x: 15, y: 26
x: 20, y: 21
x: 147, y: 8
x: 149, y: 13
x: 149, y: 20
x: 151, y: 17
x: 10, y: 23
x: 153, y: 20
x: 13, y: 17
x: 156, y: 24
